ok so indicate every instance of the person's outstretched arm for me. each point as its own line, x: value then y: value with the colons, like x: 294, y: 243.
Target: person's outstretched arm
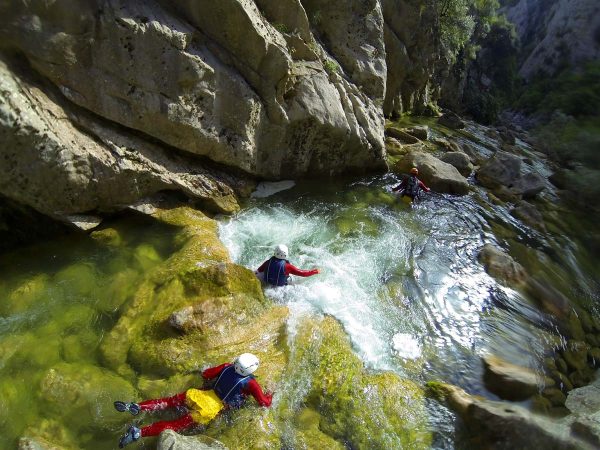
x: 254, y: 389
x: 290, y: 269
x: 422, y: 186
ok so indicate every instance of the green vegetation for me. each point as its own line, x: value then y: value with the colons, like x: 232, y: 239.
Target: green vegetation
x: 331, y: 66
x: 576, y: 93
x: 281, y: 27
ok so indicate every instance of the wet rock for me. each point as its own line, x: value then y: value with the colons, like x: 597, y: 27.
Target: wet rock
x: 419, y: 131
x: 170, y: 440
x: 575, y: 355
x: 562, y: 381
x: 459, y: 160
x: 561, y: 365
x: 146, y: 257
x: 582, y: 377
x: 529, y: 185
x: 550, y: 299
x: 529, y: 214
x: 436, y: 174
x: 592, y: 340
x: 451, y: 120
x: 587, y: 428
x: 594, y: 356
x: 510, y: 381
x: 447, y: 145
x: 501, y: 265
x: 393, y: 146
x: 555, y: 396
x: 107, y: 236
x: 85, y: 393
x: 504, y: 170
x: 500, y: 426
x: 584, y: 400
x: 21, y: 298
x: 402, y: 135
x: 350, y: 399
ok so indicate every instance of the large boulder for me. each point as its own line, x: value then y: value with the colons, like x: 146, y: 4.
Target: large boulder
x: 460, y: 160
x: 451, y: 120
x: 436, y: 174
x: 504, y: 171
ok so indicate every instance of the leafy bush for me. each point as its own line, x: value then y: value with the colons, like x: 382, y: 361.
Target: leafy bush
x: 331, y: 66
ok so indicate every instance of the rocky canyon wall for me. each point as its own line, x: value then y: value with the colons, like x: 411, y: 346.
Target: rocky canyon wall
x: 104, y: 102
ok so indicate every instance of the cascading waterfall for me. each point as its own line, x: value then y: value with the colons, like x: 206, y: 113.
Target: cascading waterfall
x: 404, y: 282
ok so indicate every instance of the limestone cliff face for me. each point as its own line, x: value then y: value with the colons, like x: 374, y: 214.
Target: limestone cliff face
x: 556, y: 33
x: 282, y: 89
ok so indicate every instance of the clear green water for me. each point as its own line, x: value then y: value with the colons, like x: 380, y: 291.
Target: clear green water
x: 58, y: 300
x: 405, y: 283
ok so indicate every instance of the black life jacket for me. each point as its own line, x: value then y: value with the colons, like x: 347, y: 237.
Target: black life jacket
x: 412, y: 186
x: 275, y: 273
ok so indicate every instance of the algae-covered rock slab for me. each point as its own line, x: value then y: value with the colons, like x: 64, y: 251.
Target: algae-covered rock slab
x: 356, y: 407
x: 85, y: 393
x: 169, y: 440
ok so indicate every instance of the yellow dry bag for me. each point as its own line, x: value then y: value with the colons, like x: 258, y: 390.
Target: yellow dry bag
x: 203, y: 405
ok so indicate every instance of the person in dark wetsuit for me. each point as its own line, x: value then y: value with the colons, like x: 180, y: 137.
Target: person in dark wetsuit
x: 276, y: 270
x: 233, y: 383
x: 411, y: 185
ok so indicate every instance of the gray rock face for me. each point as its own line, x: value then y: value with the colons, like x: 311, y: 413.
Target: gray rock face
x: 58, y: 169
x: 555, y: 32
x: 217, y: 79
x: 436, y: 174
x: 169, y: 440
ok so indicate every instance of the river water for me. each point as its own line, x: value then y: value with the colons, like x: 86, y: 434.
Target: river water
x: 404, y: 282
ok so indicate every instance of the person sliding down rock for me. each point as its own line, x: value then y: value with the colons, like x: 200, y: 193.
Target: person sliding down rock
x: 276, y: 271
x: 411, y: 186
x: 233, y: 383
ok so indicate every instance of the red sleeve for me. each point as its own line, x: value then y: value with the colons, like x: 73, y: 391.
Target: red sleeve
x: 293, y: 270
x: 422, y: 185
x: 253, y: 388
x: 263, y: 266
x: 213, y: 372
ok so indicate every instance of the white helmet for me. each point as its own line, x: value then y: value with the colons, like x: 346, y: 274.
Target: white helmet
x: 246, y: 364
x: 281, y: 251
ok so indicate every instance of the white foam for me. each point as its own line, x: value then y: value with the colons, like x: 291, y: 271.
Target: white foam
x: 406, y: 346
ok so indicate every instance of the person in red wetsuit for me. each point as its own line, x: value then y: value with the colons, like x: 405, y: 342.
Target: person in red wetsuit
x: 232, y: 384
x: 276, y: 270
x: 411, y: 185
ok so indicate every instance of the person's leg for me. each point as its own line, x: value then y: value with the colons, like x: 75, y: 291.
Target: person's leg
x: 151, y: 405
x: 176, y: 425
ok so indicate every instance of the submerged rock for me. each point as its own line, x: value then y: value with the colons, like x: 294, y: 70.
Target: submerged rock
x: 501, y: 265
x: 85, y: 393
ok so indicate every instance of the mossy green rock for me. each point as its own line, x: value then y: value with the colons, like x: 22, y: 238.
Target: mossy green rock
x: 363, y: 410
x: 248, y: 428
x: 107, y: 236
x: 575, y: 355
x: 85, y: 393
x: 29, y: 292
x: 78, y: 279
